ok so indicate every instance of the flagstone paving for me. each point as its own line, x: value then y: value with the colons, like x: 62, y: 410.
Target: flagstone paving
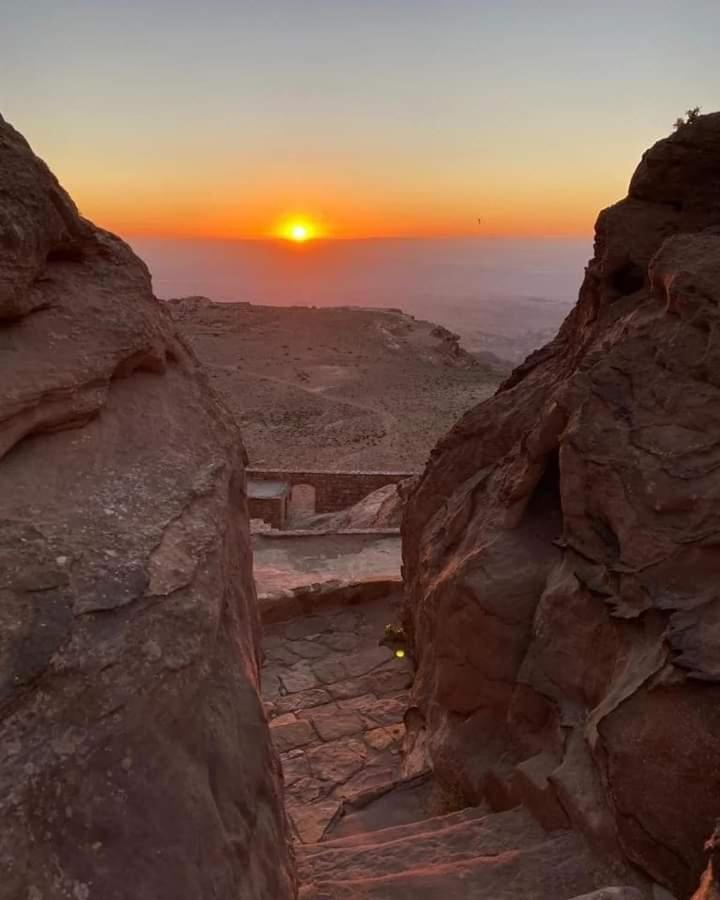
x: 335, y: 700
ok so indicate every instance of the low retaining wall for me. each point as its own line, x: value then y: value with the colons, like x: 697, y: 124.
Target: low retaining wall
x: 333, y: 490
x: 283, y: 534
x: 280, y: 606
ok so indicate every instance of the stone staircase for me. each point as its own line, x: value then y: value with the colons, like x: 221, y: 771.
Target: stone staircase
x: 336, y: 701
x: 468, y: 854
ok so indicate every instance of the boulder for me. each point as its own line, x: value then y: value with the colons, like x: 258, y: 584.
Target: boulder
x: 709, y: 888
x: 562, y: 548
x: 136, y: 758
x: 381, y: 509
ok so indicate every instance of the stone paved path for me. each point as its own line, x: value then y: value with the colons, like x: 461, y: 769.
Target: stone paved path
x: 282, y: 563
x: 336, y: 702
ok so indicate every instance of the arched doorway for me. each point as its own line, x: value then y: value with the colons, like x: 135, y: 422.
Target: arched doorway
x: 302, y: 504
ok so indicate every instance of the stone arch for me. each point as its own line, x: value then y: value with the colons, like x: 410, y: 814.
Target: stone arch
x: 302, y: 503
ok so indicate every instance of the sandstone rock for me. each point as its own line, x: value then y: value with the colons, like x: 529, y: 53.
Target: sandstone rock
x: 308, y: 649
x: 299, y: 678
x: 311, y: 822
x: 302, y: 700
x: 328, y: 671
x: 39, y: 223
x: 291, y: 735
x: 383, y: 711
x: 533, y: 787
x: 382, y: 508
x: 337, y: 760
x: 334, y: 723
x: 383, y: 738
x: 307, y: 626
x: 363, y: 662
x: 294, y: 768
x: 499, y: 857
x: 303, y: 791
x: 367, y: 780
x: 709, y: 888
x: 137, y: 762
x: 612, y: 893
x: 342, y: 641
x: 561, y: 548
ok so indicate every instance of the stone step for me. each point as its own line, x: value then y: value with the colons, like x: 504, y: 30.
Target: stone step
x: 397, y: 832
x: 499, y: 881
x: 464, y: 855
x: 395, y: 803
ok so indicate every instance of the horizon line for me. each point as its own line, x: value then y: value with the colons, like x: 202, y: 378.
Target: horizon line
x: 328, y: 239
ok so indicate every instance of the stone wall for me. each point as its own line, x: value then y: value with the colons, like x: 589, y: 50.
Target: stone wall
x: 333, y: 490
x: 272, y: 510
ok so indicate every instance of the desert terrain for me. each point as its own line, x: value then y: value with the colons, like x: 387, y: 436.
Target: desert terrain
x: 338, y: 388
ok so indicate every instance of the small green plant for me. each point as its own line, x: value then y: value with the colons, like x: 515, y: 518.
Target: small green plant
x: 395, y: 633
x: 691, y: 115
x: 395, y: 637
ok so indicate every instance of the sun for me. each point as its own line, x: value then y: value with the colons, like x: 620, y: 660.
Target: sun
x: 298, y: 230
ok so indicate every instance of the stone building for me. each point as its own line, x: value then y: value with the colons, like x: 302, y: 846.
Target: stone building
x: 268, y: 500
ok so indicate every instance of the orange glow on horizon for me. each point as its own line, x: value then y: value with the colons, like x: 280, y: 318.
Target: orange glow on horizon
x: 525, y: 212
x: 506, y: 224
x: 263, y: 209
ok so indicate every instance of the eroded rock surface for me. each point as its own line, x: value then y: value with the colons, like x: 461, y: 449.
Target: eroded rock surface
x: 562, y: 549
x: 136, y: 758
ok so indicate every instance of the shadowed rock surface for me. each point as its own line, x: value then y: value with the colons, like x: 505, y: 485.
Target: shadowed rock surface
x: 137, y: 761
x: 562, y: 549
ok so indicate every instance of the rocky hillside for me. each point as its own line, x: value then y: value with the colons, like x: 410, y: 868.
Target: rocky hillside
x: 335, y: 388
x: 562, y: 549
x: 136, y: 759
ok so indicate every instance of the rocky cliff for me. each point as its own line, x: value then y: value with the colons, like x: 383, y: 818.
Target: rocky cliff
x: 136, y: 760
x: 562, y: 548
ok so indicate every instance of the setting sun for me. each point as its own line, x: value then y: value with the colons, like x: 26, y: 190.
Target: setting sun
x: 298, y: 230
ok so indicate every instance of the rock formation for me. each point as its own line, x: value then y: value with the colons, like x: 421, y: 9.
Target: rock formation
x: 136, y: 759
x: 382, y: 508
x: 709, y: 888
x: 562, y: 549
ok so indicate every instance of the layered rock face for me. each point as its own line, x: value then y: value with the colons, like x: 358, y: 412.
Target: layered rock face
x: 562, y: 549
x: 136, y: 759
x: 709, y: 888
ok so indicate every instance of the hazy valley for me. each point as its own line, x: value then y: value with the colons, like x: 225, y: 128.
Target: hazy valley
x: 505, y: 296
x: 335, y: 388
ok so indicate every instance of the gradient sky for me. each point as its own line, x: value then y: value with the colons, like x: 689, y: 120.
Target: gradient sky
x: 374, y: 117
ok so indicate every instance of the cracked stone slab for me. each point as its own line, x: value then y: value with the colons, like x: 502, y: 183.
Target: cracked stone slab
x: 337, y: 761
x: 291, y: 735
